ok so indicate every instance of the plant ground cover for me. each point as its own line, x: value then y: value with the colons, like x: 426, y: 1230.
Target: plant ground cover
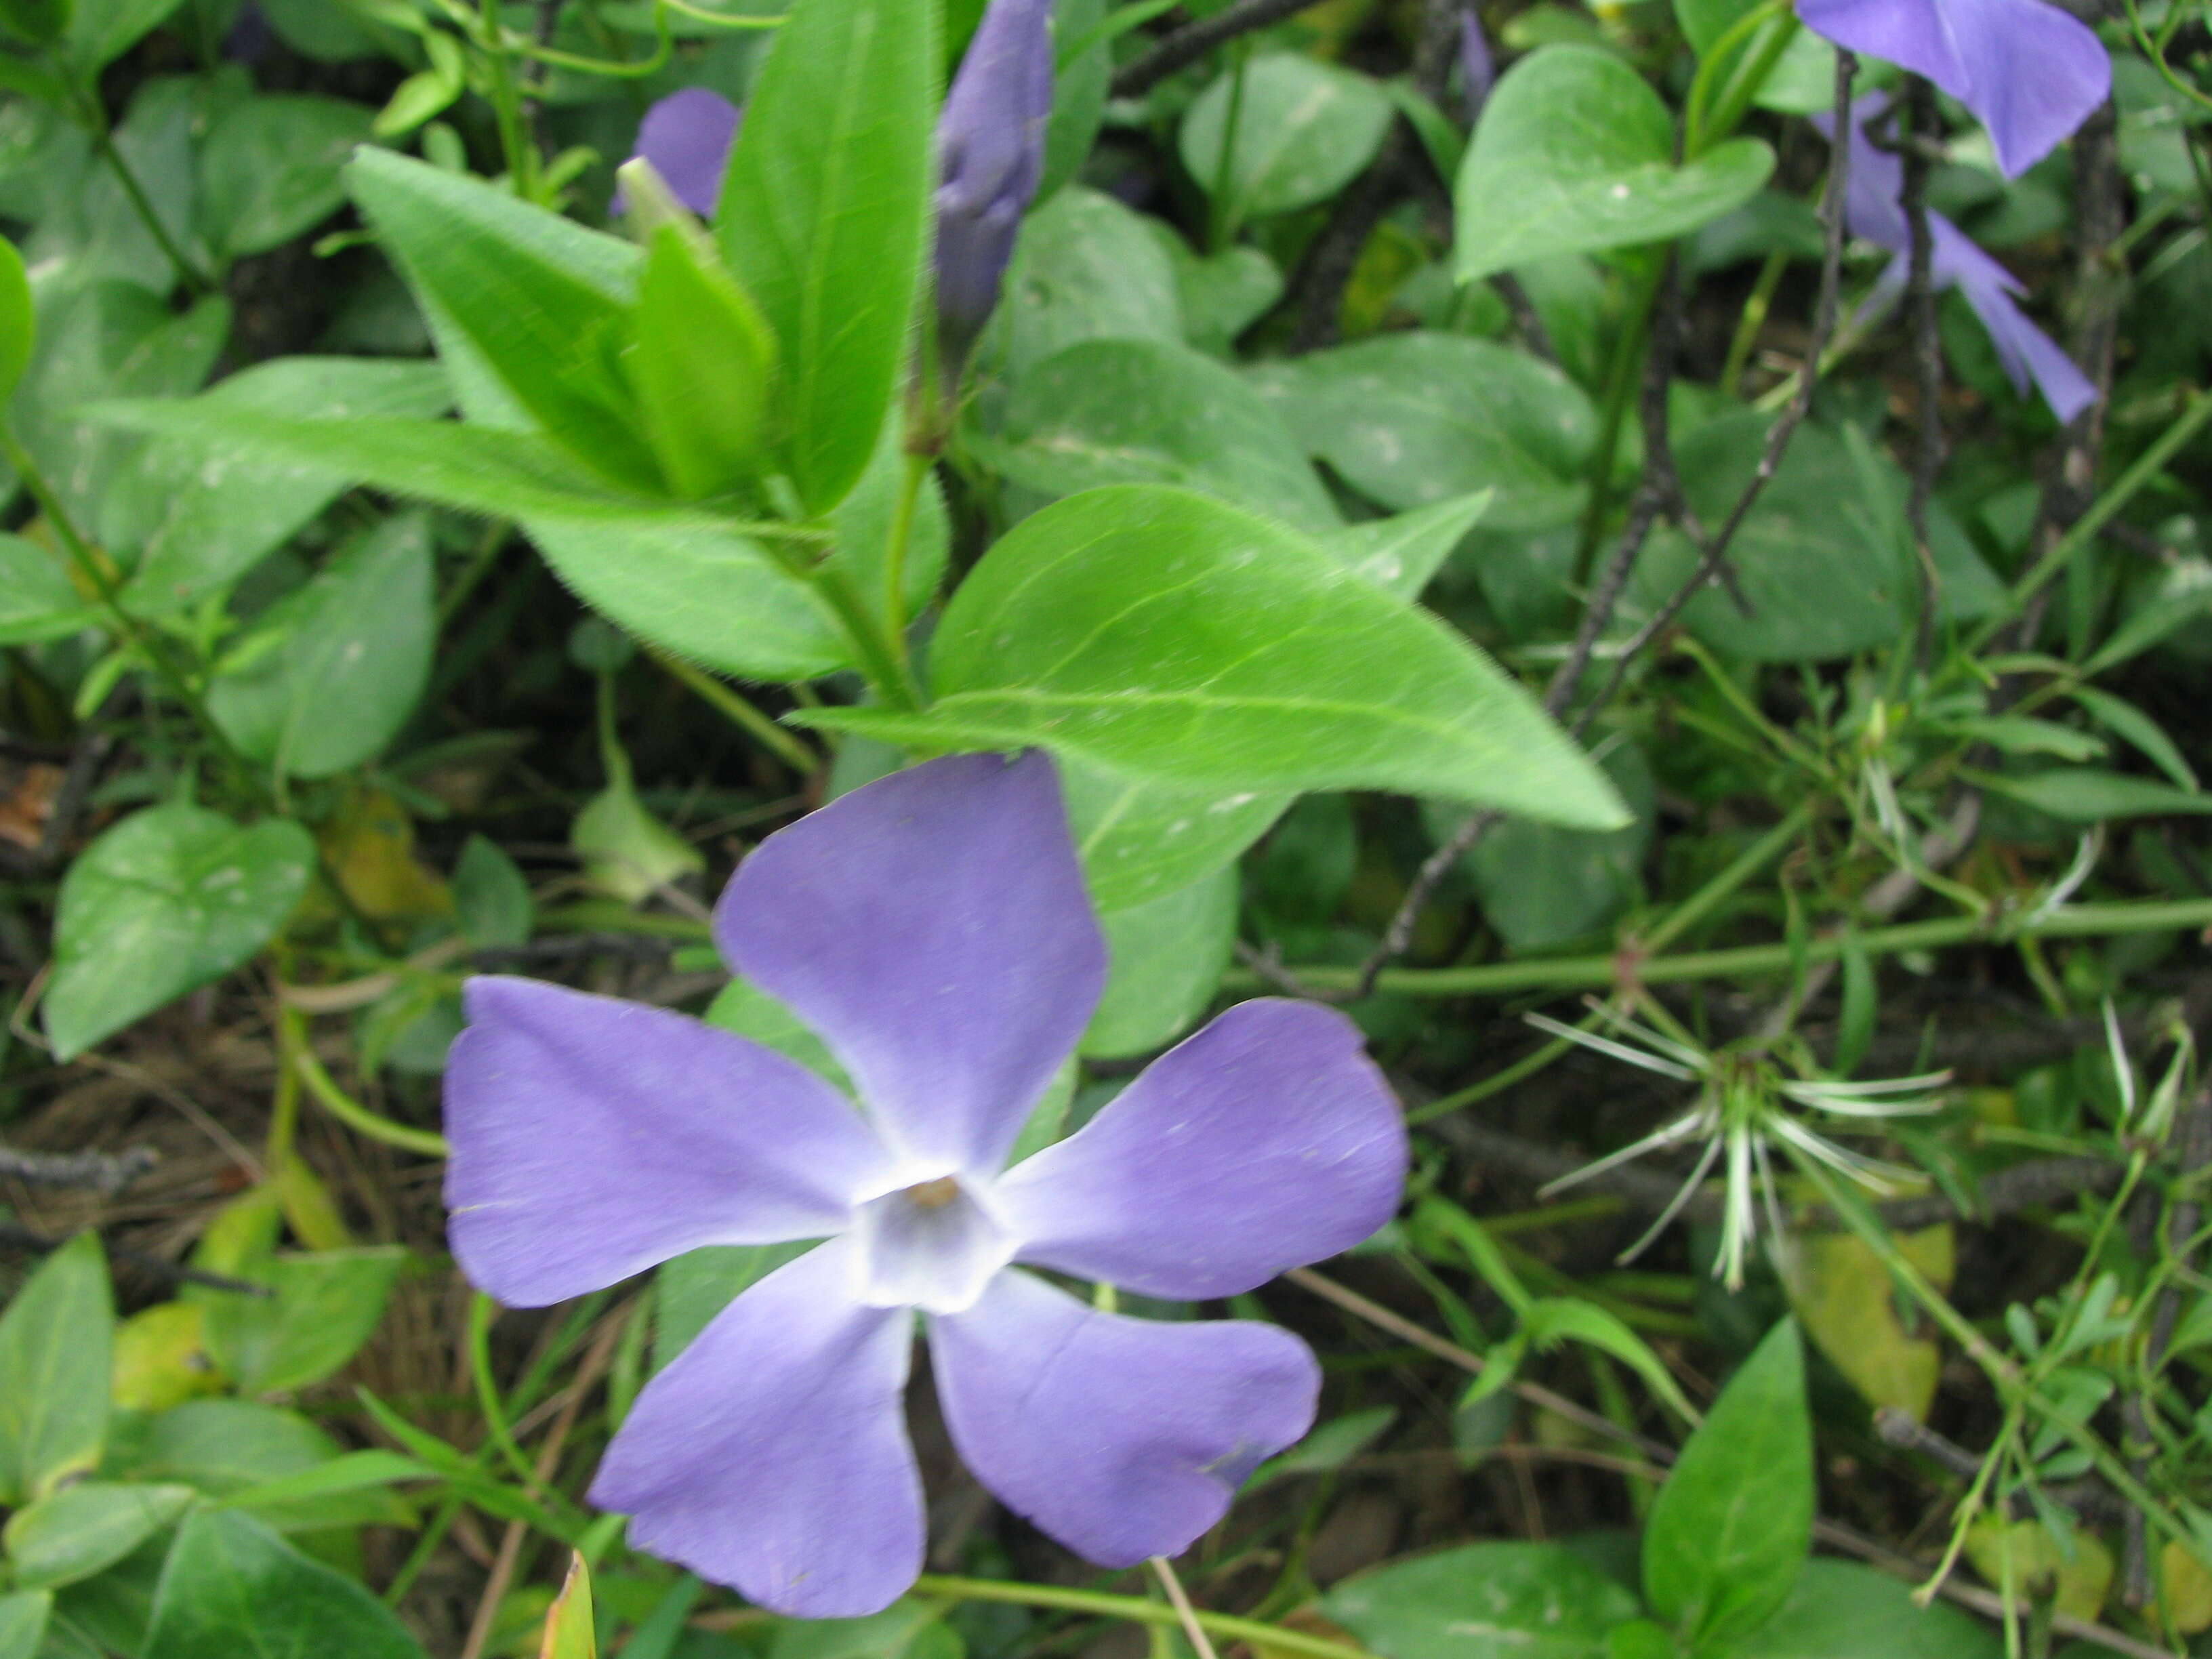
x: 1645, y: 564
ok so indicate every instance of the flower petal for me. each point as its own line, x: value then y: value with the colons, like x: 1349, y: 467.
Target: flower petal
x: 2036, y: 74
x: 772, y: 1456
x: 2031, y: 73
x: 933, y: 929
x: 593, y: 1138
x: 2025, y: 351
x: 1266, y: 1140
x: 1123, y: 1438
x: 687, y: 137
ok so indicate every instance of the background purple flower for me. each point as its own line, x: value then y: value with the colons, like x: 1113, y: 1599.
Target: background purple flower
x: 2030, y: 73
x: 1478, y: 69
x: 933, y: 930
x: 687, y: 137
x: 1873, y: 209
x: 990, y: 147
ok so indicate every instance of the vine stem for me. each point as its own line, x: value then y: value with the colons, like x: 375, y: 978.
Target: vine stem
x: 343, y: 1106
x: 1262, y: 1636
x: 900, y: 541
x: 1597, y: 972
x: 103, y: 137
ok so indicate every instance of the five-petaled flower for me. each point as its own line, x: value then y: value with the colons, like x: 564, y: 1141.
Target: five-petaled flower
x: 1873, y: 208
x: 2030, y: 73
x: 933, y: 930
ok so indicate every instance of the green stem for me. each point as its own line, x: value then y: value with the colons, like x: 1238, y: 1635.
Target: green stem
x: 95, y: 117
x: 1700, y: 134
x: 881, y: 654
x: 771, y: 735
x: 1221, y: 217
x: 1743, y: 86
x: 2083, y: 531
x: 900, y: 539
x: 482, y: 1308
x: 344, y: 1108
x: 515, y: 140
x: 1597, y: 972
x: 1753, y: 319
x: 1136, y: 1608
x: 1621, y: 375
x: 93, y: 571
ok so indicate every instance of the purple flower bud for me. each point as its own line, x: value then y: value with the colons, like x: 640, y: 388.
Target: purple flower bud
x: 687, y: 137
x: 2030, y: 73
x: 1873, y: 208
x: 250, y: 36
x: 990, y: 143
x: 1477, y: 72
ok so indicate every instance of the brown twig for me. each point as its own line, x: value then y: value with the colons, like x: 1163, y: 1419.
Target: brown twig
x: 1192, y: 41
x: 16, y: 1236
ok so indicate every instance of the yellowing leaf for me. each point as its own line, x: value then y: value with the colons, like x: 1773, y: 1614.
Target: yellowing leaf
x: 160, y: 1360
x: 2027, y: 1549
x: 1849, y: 1306
x: 569, y: 1627
x: 2186, y: 1593
x: 370, y: 847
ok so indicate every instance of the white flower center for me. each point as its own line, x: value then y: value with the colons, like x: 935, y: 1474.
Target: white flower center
x: 932, y: 1245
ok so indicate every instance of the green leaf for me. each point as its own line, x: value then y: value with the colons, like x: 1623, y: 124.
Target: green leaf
x: 823, y: 218
x: 1303, y: 131
x: 101, y: 31
x: 354, y: 1472
x: 1151, y: 411
x: 1574, y: 154
x: 552, y: 335
x: 1165, y: 635
x: 1541, y: 886
x: 1839, y: 1607
x: 239, y: 1451
x: 1726, y: 1537
x: 1411, y: 419
x: 698, y: 587
x: 332, y: 670
x: 2131, y: 724
x: 570, y: 1633
x: 19, y: 322
x: 703, y: 364
x: 491, y: 896
x: 1328, y: 1447
x: 159, y: 905
x: 743, y: 1008
x: 270, y: 169
x: 475, y: 468
x: 1142, y: 840
x: 327, y: 1305
x: 204, y: 510
x: 628, y: 853
x: 23, y: 1623
x: 1221, y: 295
x: 82, y: 1530
x: 1087, y: 267
x: 233, y: 1590
x: 1823, y: 558
x: 690, y: 1289
x: 1401, y: 553
x: 38, y: 601
x: 1508, y: 1601
x: 1557, y: 1319
x: 1166, y: 958
x: 55, y: 1343
x: 35, y: 21
x: 2090, y: 794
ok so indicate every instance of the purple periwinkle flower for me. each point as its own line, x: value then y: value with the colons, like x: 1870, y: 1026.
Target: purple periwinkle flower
x: 1478, y: 70
x: 990, y: 150
x: 2030, y: 73
x: 1873, y: 209
x: 933, y: 930
x: 687, y: 137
